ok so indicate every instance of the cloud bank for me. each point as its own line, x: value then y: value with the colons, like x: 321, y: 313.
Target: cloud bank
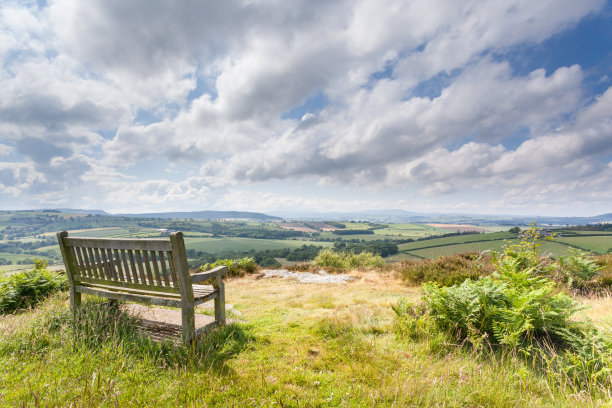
x: 264, y: 105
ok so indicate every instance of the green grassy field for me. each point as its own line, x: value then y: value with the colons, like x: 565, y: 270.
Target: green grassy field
x: 454, y: 240
x: 600, y: 244
x: 294, y: 345
x: 553, y: 248
x: 410, y: 231
x: 217, y: 245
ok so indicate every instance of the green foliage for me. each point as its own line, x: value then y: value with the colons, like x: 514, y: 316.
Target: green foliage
x: 25, y: 289
x: 235, y: 267
x: 381, y: 248
x: 579, y: 266
x: 519, y: 310
x: 445, y: 270
x: 348, y: 260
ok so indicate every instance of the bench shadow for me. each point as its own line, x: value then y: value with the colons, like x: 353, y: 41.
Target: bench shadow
x: 98, y: 323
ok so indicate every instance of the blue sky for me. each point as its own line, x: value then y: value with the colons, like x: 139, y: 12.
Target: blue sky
x: 499, y: 107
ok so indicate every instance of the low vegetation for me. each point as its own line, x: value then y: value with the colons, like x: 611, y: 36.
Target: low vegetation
x: 328, y: 258
x: 500, y: 330
x: 25, y: 289
x: 519, y: 310
x: 235, y: 267
x: 445, y: 270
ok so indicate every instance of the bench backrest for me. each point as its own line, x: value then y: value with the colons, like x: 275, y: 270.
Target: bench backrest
x: 148, y: 264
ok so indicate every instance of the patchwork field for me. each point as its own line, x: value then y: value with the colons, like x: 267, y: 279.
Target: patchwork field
x: 600, y: 244
x: 216, y: 245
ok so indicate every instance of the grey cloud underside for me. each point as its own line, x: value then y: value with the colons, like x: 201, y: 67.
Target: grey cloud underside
x: 253, y: 61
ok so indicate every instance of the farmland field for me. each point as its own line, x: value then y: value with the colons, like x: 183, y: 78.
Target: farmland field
x: 553, y: 248
x: 599, y: 244
x: 459, y: 239
x: 217, y: 245
x: 410, y: 230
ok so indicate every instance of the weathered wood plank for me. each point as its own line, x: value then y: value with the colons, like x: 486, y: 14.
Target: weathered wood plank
x: 118, y: 265
x: 172, y: 270
x: 78, y: 268
x: 133, y: 266
x: 164, y: 271
x: 75, y: 297
x: 92, y: 259
x: 151, y: 300
x: 85, y: 260
x: 111, y: 264
x: 185, y: 286
x: 100, y: 265
x: 124, y: 243
x: 143, y: 278
x: 161, y: 290
x: 156, y: 268
x: 213, y: 273
x: 147, y: 264
x: 126, y: 268
x: 106, y: 265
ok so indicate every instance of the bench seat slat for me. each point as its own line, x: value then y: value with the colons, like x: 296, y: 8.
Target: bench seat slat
x: 200, y: 292
x: 151, y: 300
x: 127, y: 285
x: 124, y: 243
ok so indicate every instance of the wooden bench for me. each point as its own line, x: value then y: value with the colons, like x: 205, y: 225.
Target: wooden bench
x: 151, y: 271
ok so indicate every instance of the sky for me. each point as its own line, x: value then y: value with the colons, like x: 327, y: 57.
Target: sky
x: 491, y: 107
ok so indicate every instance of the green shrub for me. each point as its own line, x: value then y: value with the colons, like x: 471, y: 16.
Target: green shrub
x: 235, y: 267
x: 517, y: 309
x: 446, y: 270
x: 25, y: 289
x: 328, y: 258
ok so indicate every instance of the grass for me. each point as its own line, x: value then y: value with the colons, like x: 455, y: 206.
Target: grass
x: 303, y: 345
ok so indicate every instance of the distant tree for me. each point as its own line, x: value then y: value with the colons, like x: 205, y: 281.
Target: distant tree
x: 514, y: 230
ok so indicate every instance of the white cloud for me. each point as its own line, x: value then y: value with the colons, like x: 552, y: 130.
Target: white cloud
x: 214, y: 81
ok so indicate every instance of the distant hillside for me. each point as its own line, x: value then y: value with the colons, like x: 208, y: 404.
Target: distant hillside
x: 400, y: 216
x: 207, y: 215
x: 81, y: 211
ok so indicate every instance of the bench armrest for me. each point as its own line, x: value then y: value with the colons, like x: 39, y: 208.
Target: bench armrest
x: 217, y: 272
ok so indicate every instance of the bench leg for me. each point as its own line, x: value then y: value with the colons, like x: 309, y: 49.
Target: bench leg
x: 220, y: 305
x: 188, y: 318
x: 75, y: 302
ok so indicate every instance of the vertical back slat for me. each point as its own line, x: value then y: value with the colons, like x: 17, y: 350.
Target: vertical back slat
x: 133, y: 266
x: 105, y: 264
x: 111, y: 264
x: 86, y: 261
x: 156, y: 268
x: 117, y: 262
x: 80, y: 262
x: 147, y: 264
x: 126, y: 268
x: 164, y: 271
x: 79, y: 267
x: 143, y: 280
x: 172, y: 271
x: 100, y: 265
x: 92, y: 260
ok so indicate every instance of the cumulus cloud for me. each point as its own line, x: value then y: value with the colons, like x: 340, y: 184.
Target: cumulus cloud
x: 101, y: 88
